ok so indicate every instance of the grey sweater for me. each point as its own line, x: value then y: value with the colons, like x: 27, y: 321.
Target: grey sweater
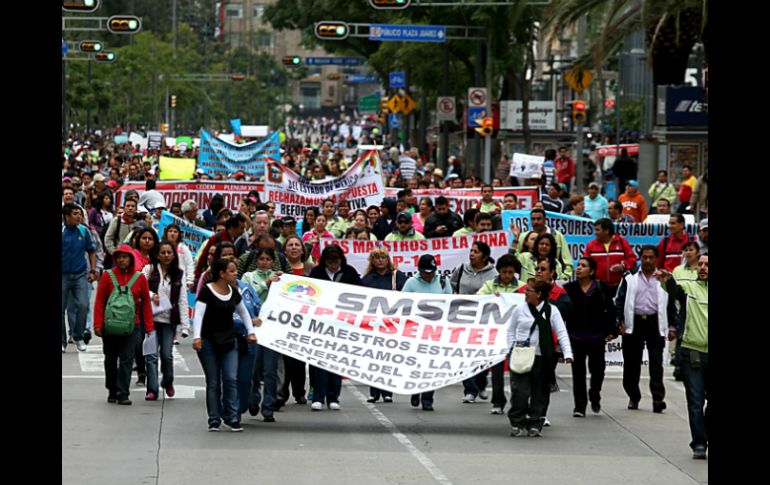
x: 469, y: 280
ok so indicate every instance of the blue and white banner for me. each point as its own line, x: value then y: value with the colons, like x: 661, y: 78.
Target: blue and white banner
x: 220, y: 157
x: 578, y: 231
x: 193, y: 236
x: 236, y: 124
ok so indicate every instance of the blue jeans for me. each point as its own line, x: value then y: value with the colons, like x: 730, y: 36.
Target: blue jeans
x: 326, y: 386
x: 118, y: 359
x: 221, y: 383
x: 165, y: 335
x: 696, y: 385
x: 266, y: 369
x: 474, y: 385
x: 74, y: 297
x: 245, y: 375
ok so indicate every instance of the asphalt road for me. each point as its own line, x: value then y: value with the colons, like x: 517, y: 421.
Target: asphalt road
x: 166, y: 442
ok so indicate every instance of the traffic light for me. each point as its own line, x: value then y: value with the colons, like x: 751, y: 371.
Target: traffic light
x: 486, y: 127
x: 163, y: 127
x: 172, y: 101
x: 106, y: 56
x: 238, y: 76
x: 390, y: 4
x: 80, y: 6
x: 124, y: 24
x: 332, y: 30
x: 579, y: 111
x: 91, y: 46
x: 292, y: 60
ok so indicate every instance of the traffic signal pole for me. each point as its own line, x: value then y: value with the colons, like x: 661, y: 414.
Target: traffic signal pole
x: 488, y: 139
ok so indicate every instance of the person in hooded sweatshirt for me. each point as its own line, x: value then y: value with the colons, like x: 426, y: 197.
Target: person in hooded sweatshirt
x: 467, y: 279
x: 119, y: 350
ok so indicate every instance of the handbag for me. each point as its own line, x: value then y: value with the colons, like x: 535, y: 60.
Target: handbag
x: 523, y: 355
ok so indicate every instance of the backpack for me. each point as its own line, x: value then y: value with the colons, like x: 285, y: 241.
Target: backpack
x: 120, y: 311
x: 81, y: 227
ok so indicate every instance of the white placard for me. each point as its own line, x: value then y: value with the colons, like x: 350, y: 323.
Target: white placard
x: 524, y: 166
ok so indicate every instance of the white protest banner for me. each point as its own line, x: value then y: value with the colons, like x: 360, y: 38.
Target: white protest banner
x: 450, y: 252
x: 361, y: 185
x: 524, y: 166
x: 137, y: 139
x: 200, y: 192
x: 220, y: 157
x: 460, y: 200
x: 193, y: 236
x: 170, y: 142
x: 400, y: 342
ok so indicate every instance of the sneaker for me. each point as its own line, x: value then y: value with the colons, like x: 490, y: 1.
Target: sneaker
x: 469, y: 398
x: 497, y: 411
x: 578, y: 414
x: 334, y: 406
x: 150, y: 396
x: 658, y: 406
x: 546, y: 422
x: 213, y: 428
x: 170, y: 390
x: 516, y: 431
x: 112, y: 399
x: 427, y: 407
x: 387, y: 399
x: 234, y: 427
x: 63, y: 349
x: 301, y: 400
x: 415, y: 400
x: 699, y: 453
x: 124, y: 402
x: 317, y: 406
x: 371, y: 399
x: 81, y: 346
x: 87, y: 337
x: 633, y: 404
x: 596, y: 407
x: 484, y: 395
x: 268, y: 419
x: 534, y: 432
x: 253, y: 410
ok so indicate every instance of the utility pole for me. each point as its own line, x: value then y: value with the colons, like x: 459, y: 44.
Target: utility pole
x: 579, y: 155
x: 487, y: 175
x: 477, y: 137
x: 445, y: 124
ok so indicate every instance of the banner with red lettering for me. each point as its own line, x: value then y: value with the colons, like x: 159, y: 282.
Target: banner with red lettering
x: 400, y: 342
x: 461, y: 200
x: 450, y: 252
x: 361, y: 185
x: 200, y: 192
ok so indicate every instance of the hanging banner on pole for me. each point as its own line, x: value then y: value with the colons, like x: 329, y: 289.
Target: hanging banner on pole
x: 400, y: 342
x: 223, y: 158
x: 361, y: 185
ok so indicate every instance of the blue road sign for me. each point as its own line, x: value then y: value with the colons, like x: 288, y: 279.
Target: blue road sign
x: 63, y: 47
x: 362, y: 79
x: 407, y: 33
x: 475, y: 113
x: 394, y: 121
x: 397, y: 79
x: 334, y: 61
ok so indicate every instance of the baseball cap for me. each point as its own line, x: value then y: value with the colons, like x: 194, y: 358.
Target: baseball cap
x: 704, y: 224
x: 99, y: 177
x: 112, y: 184
x: 593, y: 185
x: 404, y: 215
x: 563, y: 187
x: 288, y: 220
x: 427, y: 263
x: 633, y: 183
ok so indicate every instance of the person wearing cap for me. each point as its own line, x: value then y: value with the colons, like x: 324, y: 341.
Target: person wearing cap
x: 288, y: 228
x: 661, y: 189
x: 596, y: 203
x: 119, y: 350
x: 703, y: 236
x: 633, y: 202
x: 426, y: 281
x: 404, y: 230
x: 551, y: 201
x: 455, y: 181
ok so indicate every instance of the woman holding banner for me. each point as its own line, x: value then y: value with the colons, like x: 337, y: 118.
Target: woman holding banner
x: 173, y: 233
x: 314, y: 237
x: 332, y: 266
x: 383, y: 274
x: 467, y: 279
